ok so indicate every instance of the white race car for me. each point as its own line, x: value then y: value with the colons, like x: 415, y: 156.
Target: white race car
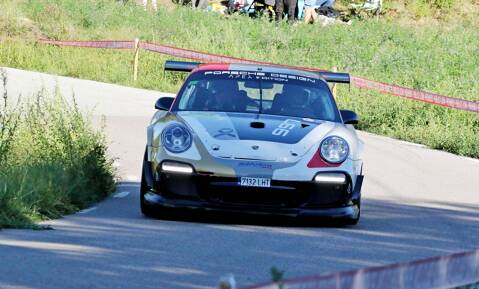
x: 253, y: 139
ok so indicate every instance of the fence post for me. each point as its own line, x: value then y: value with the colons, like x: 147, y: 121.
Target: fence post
x: 333, y: 87
x: 135, y: 59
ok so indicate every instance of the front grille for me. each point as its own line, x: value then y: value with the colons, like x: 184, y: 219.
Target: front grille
x: 284, y: 194
x: 277, y: 196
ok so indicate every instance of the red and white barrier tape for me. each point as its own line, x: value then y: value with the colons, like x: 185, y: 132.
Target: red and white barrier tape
x: 110, y: 44
x: 443, y: 272
x: 432, y: 98
x: 423, y: 96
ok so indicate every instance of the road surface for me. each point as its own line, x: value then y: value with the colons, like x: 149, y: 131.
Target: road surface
x: 417, y: 203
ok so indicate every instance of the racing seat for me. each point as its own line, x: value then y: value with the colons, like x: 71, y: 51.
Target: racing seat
x: 235, y: 100
x: 280, y: 101
x: 292, y: 104
x: 241, y: 101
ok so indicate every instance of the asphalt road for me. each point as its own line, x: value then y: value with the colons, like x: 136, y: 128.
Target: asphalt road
x: 417, y: 203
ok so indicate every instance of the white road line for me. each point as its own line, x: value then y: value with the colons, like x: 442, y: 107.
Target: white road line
x: 412, y: 144
x: 121, y: 185
x: 87, y: 210
x: 121, y: 195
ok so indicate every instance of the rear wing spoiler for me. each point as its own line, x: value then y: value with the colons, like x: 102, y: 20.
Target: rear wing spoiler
x: 184, y: 66
x: 181, y: 66
x: 335, y: 77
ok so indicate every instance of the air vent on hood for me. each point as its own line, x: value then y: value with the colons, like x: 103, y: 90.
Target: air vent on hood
x: 257, y: 124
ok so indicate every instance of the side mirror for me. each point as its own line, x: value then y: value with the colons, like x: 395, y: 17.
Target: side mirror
x: 349, y: 117
x: 164, y: 103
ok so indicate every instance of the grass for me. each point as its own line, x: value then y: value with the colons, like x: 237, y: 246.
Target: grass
x: 441, y: 57
x: 52, y: 162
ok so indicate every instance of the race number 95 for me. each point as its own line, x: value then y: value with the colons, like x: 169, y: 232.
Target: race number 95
x: 285, y: 127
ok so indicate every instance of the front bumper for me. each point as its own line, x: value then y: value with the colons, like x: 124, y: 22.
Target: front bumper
x: 288, y: 198
x: 346, y: 212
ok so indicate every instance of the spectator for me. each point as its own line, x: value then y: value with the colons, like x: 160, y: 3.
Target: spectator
x: 201, y: 4
x: 290, y: 6
x: 310, y: 14
x: 327, y: 3
x: 153, y: 4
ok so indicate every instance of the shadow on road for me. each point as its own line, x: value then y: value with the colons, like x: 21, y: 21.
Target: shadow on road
x: 115, y: 246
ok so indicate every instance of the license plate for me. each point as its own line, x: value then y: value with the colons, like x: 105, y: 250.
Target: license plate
x: 255, y: 182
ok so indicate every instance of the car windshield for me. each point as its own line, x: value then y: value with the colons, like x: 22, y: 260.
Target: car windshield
x: 257, y: 92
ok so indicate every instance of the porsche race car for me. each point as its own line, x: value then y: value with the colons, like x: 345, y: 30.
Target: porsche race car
x: 253, y: 139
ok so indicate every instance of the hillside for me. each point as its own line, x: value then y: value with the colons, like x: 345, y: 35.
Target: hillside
x: 437, y: 52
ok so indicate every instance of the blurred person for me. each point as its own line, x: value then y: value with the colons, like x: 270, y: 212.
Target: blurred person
x: 310, y: 14
x: 327, y: 3
x: 201, y: 4
x: 290, y: 6
x: 224, y: 92
x: 228, y: 97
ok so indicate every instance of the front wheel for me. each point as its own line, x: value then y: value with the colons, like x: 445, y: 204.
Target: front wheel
x: 352, y: 222
x: 146, y: 209
x: 152, y: 211
x: 355, y: 220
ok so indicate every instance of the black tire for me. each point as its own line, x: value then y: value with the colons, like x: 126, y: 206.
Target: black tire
x: 354, y: 221
x: 151, y: 211
x: 146, y: 209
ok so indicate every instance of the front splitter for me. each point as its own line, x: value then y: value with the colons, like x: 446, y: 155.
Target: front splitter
x: 346, y: 212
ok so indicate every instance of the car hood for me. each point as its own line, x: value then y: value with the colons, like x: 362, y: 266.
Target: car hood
x: 255, y: 136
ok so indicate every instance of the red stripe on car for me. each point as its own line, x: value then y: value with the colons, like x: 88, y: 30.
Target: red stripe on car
x: 215, y: 66
x: 318, y: 162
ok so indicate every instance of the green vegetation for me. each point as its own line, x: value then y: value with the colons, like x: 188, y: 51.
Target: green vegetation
x: 277, y: 276
x: 51, y: 161
x: 440, y: 56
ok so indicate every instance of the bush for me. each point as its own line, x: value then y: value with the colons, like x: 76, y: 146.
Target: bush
x: 8, y: 122
x: 423, y: 8
x: 54, y: 164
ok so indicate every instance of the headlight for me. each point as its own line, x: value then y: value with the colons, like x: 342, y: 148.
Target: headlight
x: 176, y: 138
x: 330, y: 178
x: 334, y: 149
x: 173, y: 167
